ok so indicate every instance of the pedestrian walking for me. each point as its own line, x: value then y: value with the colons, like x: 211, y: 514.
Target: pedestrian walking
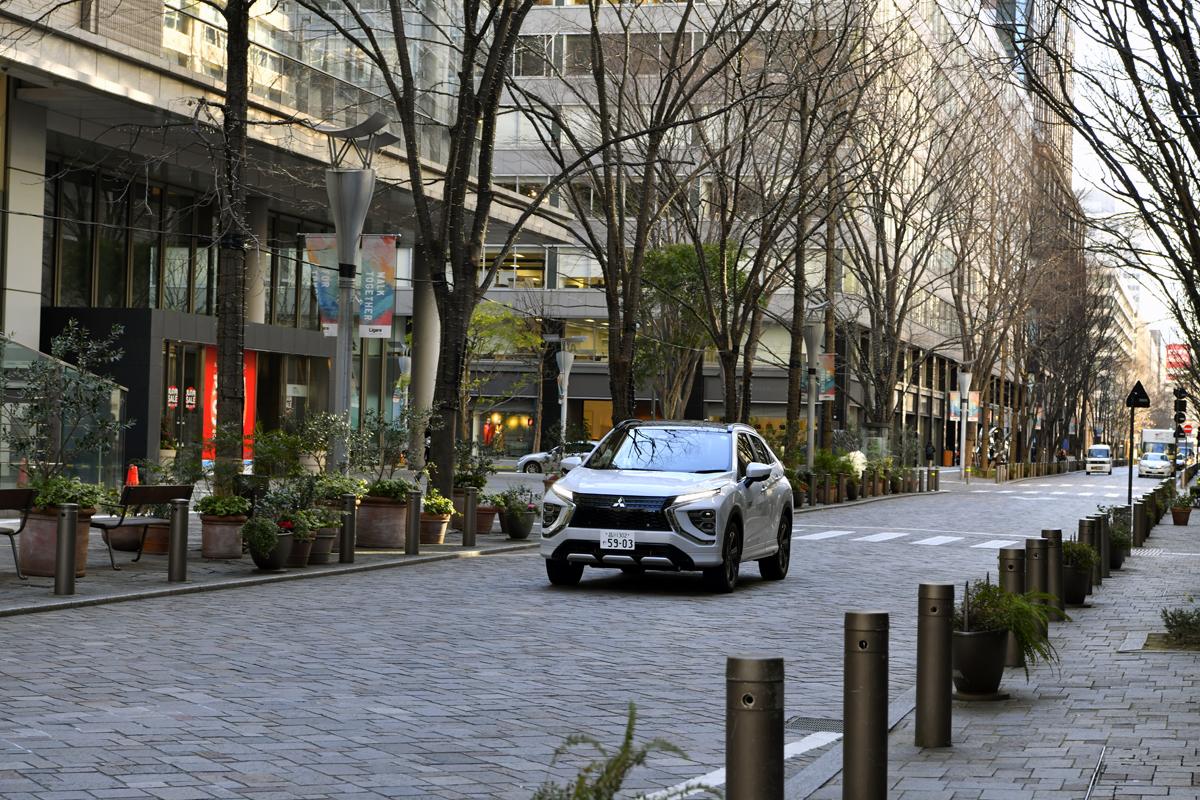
x: 929, y: 454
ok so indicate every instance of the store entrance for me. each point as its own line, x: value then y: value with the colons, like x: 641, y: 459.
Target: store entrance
x: 182, y: 397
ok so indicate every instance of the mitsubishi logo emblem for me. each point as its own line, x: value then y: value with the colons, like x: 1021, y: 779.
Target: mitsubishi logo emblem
x: 620, y: 503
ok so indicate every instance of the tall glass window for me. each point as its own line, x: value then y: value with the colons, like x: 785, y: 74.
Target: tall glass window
x: 145, y: 213
x: 177, y: 249
x: 49, y: 236
x: 112, y: 236
x: 284, y: 267
x: 75, y: 254
x: 205, y: 272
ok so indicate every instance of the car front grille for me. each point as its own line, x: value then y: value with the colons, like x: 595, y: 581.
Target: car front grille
x: 620, y: 512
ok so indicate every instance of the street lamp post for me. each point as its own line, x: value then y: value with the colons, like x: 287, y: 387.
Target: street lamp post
x: 814, y: 333
x: 350, y: 182
x: 565, y: 359
x: 964, y: 406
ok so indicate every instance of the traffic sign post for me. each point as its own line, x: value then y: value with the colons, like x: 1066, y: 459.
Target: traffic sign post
x: 1138, y: 398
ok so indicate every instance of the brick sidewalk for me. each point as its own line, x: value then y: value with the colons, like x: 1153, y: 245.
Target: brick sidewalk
x: 1137, y: 706
x: 148, y: 577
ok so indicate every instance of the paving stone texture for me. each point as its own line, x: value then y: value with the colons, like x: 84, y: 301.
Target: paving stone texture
x: 460, y: 679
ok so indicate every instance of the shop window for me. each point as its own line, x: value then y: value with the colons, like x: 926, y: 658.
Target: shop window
x: 577, y: 269
x: 112, y: 237
x: 144, y: 215
x: 284, y: 268
x: 75, y: 251
x: 177, y: 250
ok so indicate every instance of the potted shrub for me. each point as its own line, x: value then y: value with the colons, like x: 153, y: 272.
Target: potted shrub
x: 1181, y: 506
x: 471, y: 471
x: 327, y: 493
x: 300, y: 523
x: 1078, y: 561
x: 982, y: 623
x: 383, y: 513
x: 39, y: 540
x: 269, y: 544
x: 520, y: 512
x: 436, y: 510
x: 221, y: 521
x: 486, y: 512
x: 851, y: 487
x: 326, y: 526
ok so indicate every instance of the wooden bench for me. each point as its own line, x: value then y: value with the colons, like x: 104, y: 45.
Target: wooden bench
x: 133, y: 500
x: 16, y: 500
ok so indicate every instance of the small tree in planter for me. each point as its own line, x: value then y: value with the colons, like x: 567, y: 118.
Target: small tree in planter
x: 472, y: 469
x: 380, y: 449
x: 328, y: 490
x: 303, y: 524
x: 268, y: 543
x: 436, y: 510
x: 1180, y: 505
x: 518, y: 512
x: 221, y: 521
x: 1078, y: 561
x: 982, y: 623
x: 486, y: 512
x: 383, y: 513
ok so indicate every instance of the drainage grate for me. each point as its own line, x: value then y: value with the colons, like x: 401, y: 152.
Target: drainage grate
x: 814, y: 725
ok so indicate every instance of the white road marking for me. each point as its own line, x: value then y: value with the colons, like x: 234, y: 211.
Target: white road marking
x: 716, y: 778
x: 1083, y: 494
x: 824, y: 535
x: 881, y: 537
x: 989, y: 534
x: 936, y: 540
x: 1006, y: 491
x: 1112, y: 495
x: 981, y: 491
x: 995, y: 544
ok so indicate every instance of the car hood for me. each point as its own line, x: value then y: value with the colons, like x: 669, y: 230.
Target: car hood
x: 638, y: 483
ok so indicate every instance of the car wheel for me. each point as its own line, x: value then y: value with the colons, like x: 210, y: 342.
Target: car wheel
x: 775, y: 567
x: 563, y: 573
x: 532, y: 466
x: 723, y: 578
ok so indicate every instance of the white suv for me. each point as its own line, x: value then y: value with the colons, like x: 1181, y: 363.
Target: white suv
x: 671, y: 496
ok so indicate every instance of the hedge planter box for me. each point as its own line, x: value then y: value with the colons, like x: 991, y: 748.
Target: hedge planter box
x: 433, y: 528
x: 275, y: 560
x: 979, y: 661
x: 322, y: 546
x: 39, y: 543
x: 1180, y: 516
x: 221, y: 537
x: 381, y: 523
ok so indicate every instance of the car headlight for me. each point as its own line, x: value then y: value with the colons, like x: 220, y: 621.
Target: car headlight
x: 695, y: 496
x: 562, y: 491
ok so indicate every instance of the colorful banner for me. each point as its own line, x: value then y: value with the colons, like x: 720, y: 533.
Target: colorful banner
x: 973, y: 408
x: 321, y: 251
x: 1039, y: 419
x: 1179, y: 359
x: 825, y: 377
x: 377, y: 286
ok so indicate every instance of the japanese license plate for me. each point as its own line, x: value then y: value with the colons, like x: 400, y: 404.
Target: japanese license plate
x: 617, y: 540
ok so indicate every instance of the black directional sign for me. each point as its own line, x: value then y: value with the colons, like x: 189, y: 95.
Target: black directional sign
x: 1138, y: 397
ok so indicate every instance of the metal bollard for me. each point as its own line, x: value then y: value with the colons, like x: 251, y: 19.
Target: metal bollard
x: 1105, y: 545
x: 937, y: 480
x: 1087, y: 535
x: 841, y: 487
x: 922, y: 477
x: 864, y: 706
x: 177, y: 542
x: 469, y: 505
x: 1138, y: 518
x: 1055, y: 571
x: 1036, y: 576
x: 412, y: 526
x: 1012, y: 580
x: 349, y: 519
x: 935, y: 617
x: 64, y: 553
x: 1097, y: 573
x: 754, y: 728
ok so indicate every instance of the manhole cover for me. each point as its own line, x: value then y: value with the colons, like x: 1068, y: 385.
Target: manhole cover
x: 814, y: 724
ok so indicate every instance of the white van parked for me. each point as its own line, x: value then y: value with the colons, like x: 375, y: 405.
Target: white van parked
x: 1099, y: 459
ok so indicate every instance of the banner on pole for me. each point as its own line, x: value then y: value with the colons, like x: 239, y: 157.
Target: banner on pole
x: 321, y: 251
x: 375, y: 282
x: 1179, y: 360
x: 825, y: 377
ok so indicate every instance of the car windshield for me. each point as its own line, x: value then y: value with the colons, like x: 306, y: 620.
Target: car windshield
x: 664, y: 450
x: 1154, y: 457
x: 1098, y: 452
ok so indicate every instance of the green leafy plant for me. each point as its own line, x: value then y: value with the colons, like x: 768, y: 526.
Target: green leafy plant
x: 379, y: 447
x: 987, y: 607
x: 328, y: 489
x: 277, y: 453
x: 260, y: 534
x: 518, y: 500
x: 305, y: 523
x: 603, y: 777
x: 396, y: 489
x: 437, y: 504
x: 1077, y: 554
x: 319, y: 432
x: 227, y: 506
x: 1119, y: 529
x: 471, y: 468
x: 60, y: 489
x: 1183, y: 625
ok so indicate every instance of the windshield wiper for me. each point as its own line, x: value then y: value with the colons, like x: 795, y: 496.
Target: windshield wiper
x: 708, y: 471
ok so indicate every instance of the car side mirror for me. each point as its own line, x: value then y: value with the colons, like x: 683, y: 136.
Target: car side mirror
x: 569, y: 463
x: 756, y: 471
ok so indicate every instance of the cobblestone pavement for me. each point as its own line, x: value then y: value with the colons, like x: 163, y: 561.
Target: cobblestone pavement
x: 459, y: 679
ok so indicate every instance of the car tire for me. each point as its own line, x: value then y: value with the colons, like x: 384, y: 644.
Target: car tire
x: 532, y: 467
x: 563, y: 573
x: 722, y: 579
x: 775, y: 567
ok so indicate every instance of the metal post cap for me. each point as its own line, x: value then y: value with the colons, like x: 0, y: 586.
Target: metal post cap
x: 67, y: 508
x: 866, y: 620
x: 1034, y: 548
x: 754, y: 669
x: 1052, y: 534
x: 935, y: 600
x: 1012, y: 554
x: 936, y: 591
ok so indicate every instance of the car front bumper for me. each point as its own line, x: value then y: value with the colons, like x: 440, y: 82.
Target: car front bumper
x: 1098, y: 466
x: 1161, y: 472
x: 666, y: 550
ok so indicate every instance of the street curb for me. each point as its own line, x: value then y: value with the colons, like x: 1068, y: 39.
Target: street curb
x: 259, y: 580
x: 865, y: 501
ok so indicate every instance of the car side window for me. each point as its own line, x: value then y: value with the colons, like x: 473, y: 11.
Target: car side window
x: 762, y: 453
x: 745, y: 453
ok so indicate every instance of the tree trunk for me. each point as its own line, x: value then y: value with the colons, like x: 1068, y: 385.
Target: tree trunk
x: 231, y: 275
x: 830, y: 317
x: 729, y: 382
x: 748, y: 355
x: 451, y: 363
x: 796, y: 371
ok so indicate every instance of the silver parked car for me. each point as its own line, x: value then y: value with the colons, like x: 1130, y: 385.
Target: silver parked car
x: 549, y: 460
x: 671, y: 496
x: 1155, y: 465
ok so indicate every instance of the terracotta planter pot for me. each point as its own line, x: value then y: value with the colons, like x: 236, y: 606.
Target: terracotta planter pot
x: 1180, y: 516
x: 381, y: 523
x: 300, y: 551
x: 433, y: 528
x: 1077, y: 584
x: 520, y: 524
x: 221, y: 537
x: 39, y: 543
x: 275, y: 560
x: 485, y: 517
x: 322, y: 546
x: 979, y: 661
